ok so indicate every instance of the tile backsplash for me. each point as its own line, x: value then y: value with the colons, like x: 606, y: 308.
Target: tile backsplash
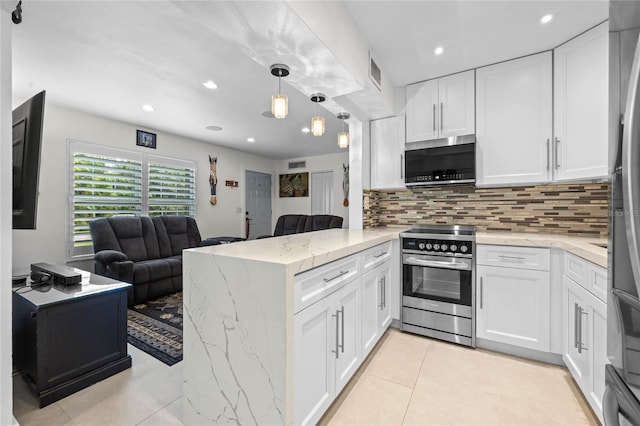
x: 572, y: 209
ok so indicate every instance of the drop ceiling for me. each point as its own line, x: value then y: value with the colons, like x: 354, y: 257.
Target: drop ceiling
x: 110, y: 58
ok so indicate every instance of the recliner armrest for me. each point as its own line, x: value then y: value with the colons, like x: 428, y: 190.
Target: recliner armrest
x: 108, y: 256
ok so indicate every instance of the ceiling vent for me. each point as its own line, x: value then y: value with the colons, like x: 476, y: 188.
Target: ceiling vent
x: 297, y: 165
x: 374, y: 72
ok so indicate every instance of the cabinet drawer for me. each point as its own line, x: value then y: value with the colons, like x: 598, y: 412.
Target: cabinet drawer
x: 514, y: 257
x: 311, y: 286
x: 376, y: 255
x: 588, y: 275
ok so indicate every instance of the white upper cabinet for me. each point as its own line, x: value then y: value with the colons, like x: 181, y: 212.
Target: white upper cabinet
x: 514, y: 121
x: 581, y: 78
x: 441, y: 108
x: 387, y: 153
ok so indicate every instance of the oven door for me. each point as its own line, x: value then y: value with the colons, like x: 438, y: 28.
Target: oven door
x: 446, y: 279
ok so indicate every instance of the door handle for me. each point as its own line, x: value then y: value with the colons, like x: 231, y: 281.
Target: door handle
x: 342, y: 323
x: 441, y: 115
x: 337, y: 317
x: 481, y: 291
x: 557, y: 152
x: 548, y: 154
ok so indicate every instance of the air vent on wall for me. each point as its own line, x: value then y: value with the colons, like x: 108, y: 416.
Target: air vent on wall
x: 374, y: 72
x: 297, y: 165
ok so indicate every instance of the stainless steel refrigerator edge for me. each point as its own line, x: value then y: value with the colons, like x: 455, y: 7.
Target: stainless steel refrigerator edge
x: 622, y: 395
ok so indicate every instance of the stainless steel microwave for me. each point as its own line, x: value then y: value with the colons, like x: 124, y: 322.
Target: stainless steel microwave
x: 440, y: 161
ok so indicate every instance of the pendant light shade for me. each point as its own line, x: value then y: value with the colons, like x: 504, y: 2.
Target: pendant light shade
x: 279, y: 102
x: 317, y: 122
x: 343, y: 136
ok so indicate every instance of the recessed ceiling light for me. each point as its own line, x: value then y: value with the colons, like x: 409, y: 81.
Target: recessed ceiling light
x: 214, y: 128
x: 210, y: 84
x: 306, y: 130
x: 251, y: 140
x: 439, y: 50
x: 147, y: 108
x: 546, y: 19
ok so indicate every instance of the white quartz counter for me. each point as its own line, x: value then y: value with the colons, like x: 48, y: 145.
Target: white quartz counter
x: 301, y: 252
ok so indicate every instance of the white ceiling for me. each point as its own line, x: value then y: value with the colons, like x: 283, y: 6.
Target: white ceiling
x: 109, y: 58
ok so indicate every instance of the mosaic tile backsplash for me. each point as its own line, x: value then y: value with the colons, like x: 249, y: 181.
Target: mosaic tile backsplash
x: 572, y: 209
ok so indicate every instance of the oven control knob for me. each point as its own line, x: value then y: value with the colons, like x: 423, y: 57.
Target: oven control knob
x: 464, y: 249
x: 444, y: 247
x: 421, y: 245
x: 436, y: 246
x: 453, y: 247
x: 429, y: 246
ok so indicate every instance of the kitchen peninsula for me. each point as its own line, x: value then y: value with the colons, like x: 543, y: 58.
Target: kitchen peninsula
x: 260, y: 319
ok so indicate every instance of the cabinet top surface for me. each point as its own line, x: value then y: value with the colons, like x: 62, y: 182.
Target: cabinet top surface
x: 301, y: 252
x: 584, y: 247
x: 91, y: 285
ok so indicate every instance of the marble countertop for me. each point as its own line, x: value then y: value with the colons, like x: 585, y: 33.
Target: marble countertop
x: 301, y: 252
x: 583, y: 247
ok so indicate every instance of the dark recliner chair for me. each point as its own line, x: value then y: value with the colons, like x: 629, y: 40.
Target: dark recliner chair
x: 144, y: 251
x: 288, y: 224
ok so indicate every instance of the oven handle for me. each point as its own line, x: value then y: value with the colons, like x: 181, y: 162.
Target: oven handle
x: 436, y: 263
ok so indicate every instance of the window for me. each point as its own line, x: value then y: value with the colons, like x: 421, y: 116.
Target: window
x: 107, y: 182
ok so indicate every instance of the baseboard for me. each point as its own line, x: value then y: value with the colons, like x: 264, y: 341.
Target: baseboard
x: 395, y: 324
x: 533, y: 354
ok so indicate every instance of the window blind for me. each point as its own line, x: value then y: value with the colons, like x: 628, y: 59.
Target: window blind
x: 172, y: 190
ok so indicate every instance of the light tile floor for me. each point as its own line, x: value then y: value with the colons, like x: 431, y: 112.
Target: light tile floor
x: 407, y: 380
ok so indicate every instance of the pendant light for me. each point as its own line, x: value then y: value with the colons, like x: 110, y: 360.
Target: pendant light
x: 343, y: 136
x: 280, y: 102
x: 317, y: 122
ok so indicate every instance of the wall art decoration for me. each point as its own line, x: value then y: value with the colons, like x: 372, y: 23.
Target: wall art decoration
x: 294, y: 185
x: 213, y: 178
x: 231, y: 183
x: 345, y: 184
x: 146, y: 139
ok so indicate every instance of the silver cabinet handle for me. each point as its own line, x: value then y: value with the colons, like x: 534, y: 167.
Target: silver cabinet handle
x: 337, y: 317
x: 434, y: 118
x: 341, y: 273
x: 547, y: 154
x: 441, y: 115
x: 384, y: 292
x: 581, y: 346
x: 381, y: 291
x: 511, y: 257
x: 481, y: 285
x: 342, y: 326
x: 381, y: 254
x: 557, y: 152
x: 576, y: 320
x: 401, y: 166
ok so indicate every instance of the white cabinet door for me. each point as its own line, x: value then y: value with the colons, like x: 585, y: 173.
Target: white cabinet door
x: 349, y: 353
x: 384, y: 309
x: 514, y: 121
x: 422, y: 110
x: 597, y: 345
x: 387, y: 153
x: 314, y: 362
x: 370, y: 302
x: 456, y: 108
x: 581, y: 68
x: 574, y: 306
x: 513, y: 306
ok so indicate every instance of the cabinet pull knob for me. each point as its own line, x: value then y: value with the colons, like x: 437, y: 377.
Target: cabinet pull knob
x: 341, y: 273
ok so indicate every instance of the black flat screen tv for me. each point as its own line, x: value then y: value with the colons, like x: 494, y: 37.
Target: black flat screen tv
x: 28, y: 119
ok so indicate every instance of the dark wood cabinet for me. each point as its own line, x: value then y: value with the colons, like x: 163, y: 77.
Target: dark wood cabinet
x: 66, y: 338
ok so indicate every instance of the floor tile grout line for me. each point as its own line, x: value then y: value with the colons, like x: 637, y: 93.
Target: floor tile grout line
x: 406, y: 410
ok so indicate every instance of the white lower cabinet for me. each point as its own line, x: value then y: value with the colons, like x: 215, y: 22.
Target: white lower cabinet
x: 585, y: 340
x: 376, y: 306
x: 513, y: 306
x: 327, y: 351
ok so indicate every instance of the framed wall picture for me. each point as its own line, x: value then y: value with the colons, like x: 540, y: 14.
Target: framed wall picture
x: 146, y: 139
x: 294, y: 185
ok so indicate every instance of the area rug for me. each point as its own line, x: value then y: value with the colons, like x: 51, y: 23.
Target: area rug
x: 155, y: 327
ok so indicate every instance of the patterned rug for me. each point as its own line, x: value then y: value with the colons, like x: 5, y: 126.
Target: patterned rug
x: 156, y: 327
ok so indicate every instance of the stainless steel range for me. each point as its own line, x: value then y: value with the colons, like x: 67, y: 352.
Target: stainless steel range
x: 438, y: 282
